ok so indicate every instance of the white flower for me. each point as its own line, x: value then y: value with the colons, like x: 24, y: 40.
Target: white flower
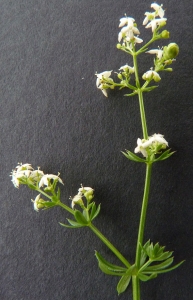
x: 154, y: 23
x: 143, y: 145
x: 21, y: 167
x: 126, y: 20
x: 76, y: 199
x: 85, y: 189
x: 138, y: 40
x: 39, y: 203
x: 35, y: 202
x: 128, y: 31
x: 157, y: 137
x: 45, y: 179
x: 36, y: 175
x: 149, y: 16
x: 99, y: 81
x: 126, y: 68
x: 149, y: 75
x: 158, y: 8
x: 19, y: 172
x: 158, y: 52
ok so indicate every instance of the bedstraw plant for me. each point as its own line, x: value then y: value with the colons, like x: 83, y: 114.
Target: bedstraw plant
x: 151, y: 258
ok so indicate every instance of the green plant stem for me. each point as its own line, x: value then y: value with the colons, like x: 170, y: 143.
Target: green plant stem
x: 135, y: 279
x: 145, y: 46
x: 101, y: 237
x: 109, y: 245
x: 140, y: 95
x: 136, y: 287
x: 142, y: 113
x: 70, y: 210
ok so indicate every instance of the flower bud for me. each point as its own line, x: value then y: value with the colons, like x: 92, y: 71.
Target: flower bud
x: 165, y: 34
x: 119, y: 46
x: 171, y: 51
x: 169, y: 69
x: 39, y: 203
x: 120, y: 76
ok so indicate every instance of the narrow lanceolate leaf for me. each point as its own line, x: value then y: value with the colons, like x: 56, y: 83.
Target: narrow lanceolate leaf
x: 75, y: 224
x: 96, y: 212
x: 166, y: 154
x: 93, y: 210
x: 161, y: 266
x: 132, y: 94
x: 163, y: 256
x: 109, y: 268
x: 150, y: 88
x: 133, y: 157
x: 166, y: 270
x: 144, y: 277
x: 125, y: 280
x: 31, y: 186
x: 123, y: 283
x: 80, y: 218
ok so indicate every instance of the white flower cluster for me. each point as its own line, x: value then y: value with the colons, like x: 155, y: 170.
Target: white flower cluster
x: 100, y: 82
x: 128, y: 31
x: 127, y: 68
x: 24, y: 172
x: 143, y: 145
x: 149, y: 75
x: 38, y: 203
x: 83, y: 191
x: 151, y: 17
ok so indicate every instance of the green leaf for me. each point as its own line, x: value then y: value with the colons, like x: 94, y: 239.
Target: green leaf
x: 133, y: 157
x: 123, y: 283
x: 163, y: 256
x: 163, y: 265
x: 150, y: 88
x: 144, y: 277
x: 31, y: 186
x: 132, y: 87
x: 96, y: 212
x: 80, y: 218
x: 48, y: 204
x: 132, y: 94
x: 166, y: 270
x: 109, y: 268
x: 90, y: 205
x: 125, y: 280
x: 166, y: 154
x: 73, y: 226
x: 55, y: 198
x: 93, y: 210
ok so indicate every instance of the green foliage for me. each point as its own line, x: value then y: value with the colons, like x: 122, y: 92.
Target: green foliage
x: 133, y: 157
x: 151, y: 256
x: 85, y: 217
x: 111, y: 269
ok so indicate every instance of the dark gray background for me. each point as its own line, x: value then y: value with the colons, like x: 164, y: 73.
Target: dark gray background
x: 53, y: 116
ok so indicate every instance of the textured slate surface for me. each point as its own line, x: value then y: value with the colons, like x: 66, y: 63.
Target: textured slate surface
x: 53, y: 116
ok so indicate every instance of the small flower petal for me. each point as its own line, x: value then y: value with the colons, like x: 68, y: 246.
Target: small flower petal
x: 158, y: 52
x: 159, y: 10
x: 45, y: 179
